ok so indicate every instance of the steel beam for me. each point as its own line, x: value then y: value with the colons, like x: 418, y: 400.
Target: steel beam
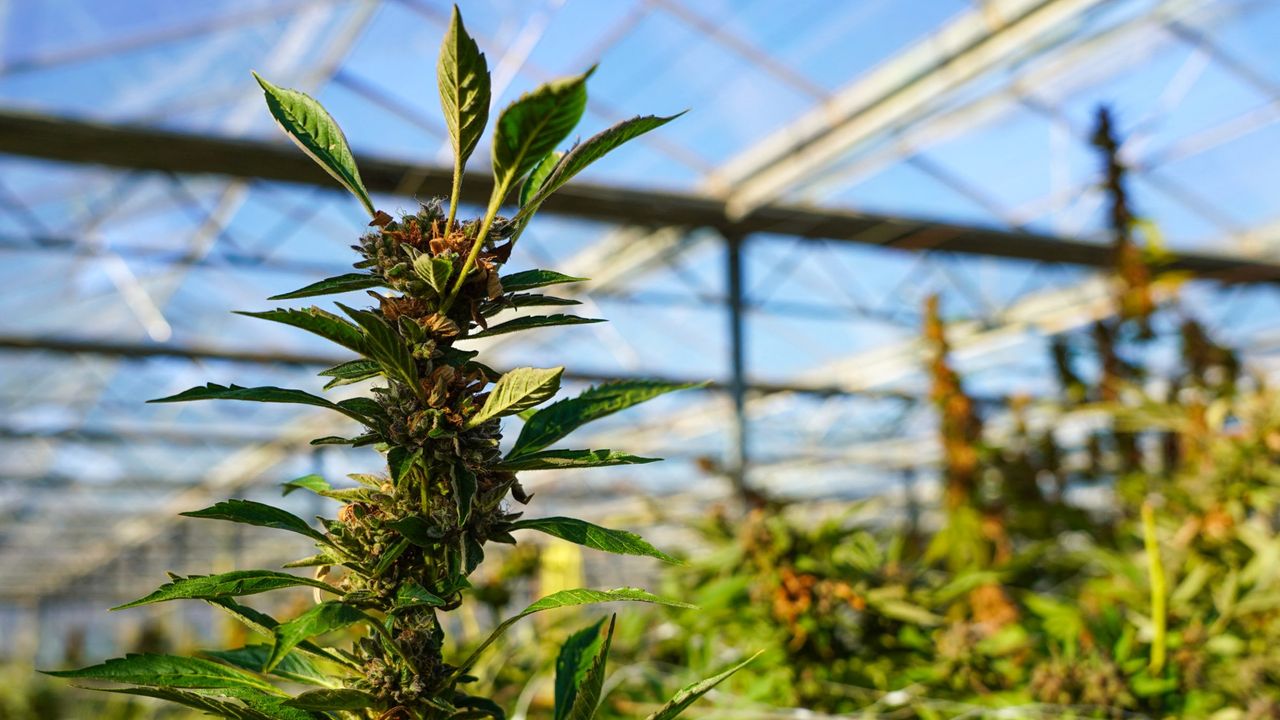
x: 141, y: 148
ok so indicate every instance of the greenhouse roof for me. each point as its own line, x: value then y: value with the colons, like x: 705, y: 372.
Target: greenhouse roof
x: 916, y: 125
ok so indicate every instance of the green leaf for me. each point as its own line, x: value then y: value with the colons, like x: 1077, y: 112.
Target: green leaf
x: 336, y: 699
x: 464, y: 486
x: 576, y: 659
x: 566, y: 459
x: 690, y: 693
x: 530, y: 279
x: 435, y: 271
x: 586, y: 695
x: 349, y: 282
x: 531, y: 322
x: 386, y: 346
x: 166, y: 671
x: 588, y: 152
x: 352, y: 371
x: 463, y: 77
x: 317, y: 560
x: 589, y: 535
x: 556, y: 421
x: 313, y: 482
x: 249, y: 512
x: 265, y: 625
x: 294, y: 666
x: 267, y: 394
x: 225, y: 585
x: 533, y: 126
x: 540, y: 173
x: 522, y: 300
x: 325, y: 617
x: 204, y: 703
x: 412, y: 595
x: 570, y: 598
x: 318, y: 322
x: 517, y: 390
x: 418, y: 531
x: 311, y: 128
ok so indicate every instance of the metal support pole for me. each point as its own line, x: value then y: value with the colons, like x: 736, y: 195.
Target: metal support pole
x: 739, y: 458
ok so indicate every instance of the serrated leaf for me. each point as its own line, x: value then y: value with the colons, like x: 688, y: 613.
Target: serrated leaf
x: 541, y: 171
x: 166, y: 671
x: 522, y: 300
x: 530, y: 279
x: 225, y: 585
x: 204, y: 703
x: 250, y: 512
x: 349, y: 282
x: 567, y: 459
x: 265, y: 625
x: 585, y: 153
x: 435, y: 271
x: 557, y: 420
x: 576, y: 657
x: 311, y: 128
x: 318, y: 322
x: 410, y: 595
x: 531, y: 322
x: 417, y: 530
x: 327, y: 616
x: 294, y: 666
x: 335, y: 699
x: 587, y: 695
x: 533, y: 126
x: 352, y: 371
x: 268, y: 394
x: 593, y: 536
x: 463, y: 77
x: 386, y: 346
x: 517, y: 390
x: 570, y: 598
x: 690, y: 693
x: 313, y: 482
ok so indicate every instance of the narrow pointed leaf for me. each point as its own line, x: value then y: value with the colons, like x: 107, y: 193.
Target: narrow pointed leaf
x: 463, y: 77
x: 533, y: 126
x: 532, y: 322
x: 570, y: 598
x: 166, y: 671
x: 522, y: 300
x: 294, y: 666
x: 327, y: 616
x: 267, y: 394
x: 265, y: 625
x: 519, y: 389
x: 313, y: 482
x: 690, y: 693
x: 557, y: 420
x: 412, y: 595
x: 587, y: 697
x: 594, y: 148
x: 317, y: 560
x: 249, y: 512
x: 225, y: 585
x: 385, y: 345
x: 541, y: 171
x: 593, y: 536
x: 530, y: 279
x: 566, y: 459
x: 311, y: 128
x: 348, y: 282
x: 574, y: 661
x: 316, y: 321
x: 335, y: 699
x: 206, y: 704
x: 352, y: 371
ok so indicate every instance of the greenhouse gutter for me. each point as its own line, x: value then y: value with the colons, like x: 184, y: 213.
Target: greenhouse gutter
x: 136, y: 147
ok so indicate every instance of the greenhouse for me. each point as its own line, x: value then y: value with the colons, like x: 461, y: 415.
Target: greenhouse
x: 340, y: 339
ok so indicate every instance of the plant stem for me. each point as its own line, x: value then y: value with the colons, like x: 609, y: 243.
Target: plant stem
x: 1159, y: 614
x: 453, y: 196
x: 487, y: 223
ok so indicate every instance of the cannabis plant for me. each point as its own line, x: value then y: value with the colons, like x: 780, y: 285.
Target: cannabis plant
x: 396, y: 558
